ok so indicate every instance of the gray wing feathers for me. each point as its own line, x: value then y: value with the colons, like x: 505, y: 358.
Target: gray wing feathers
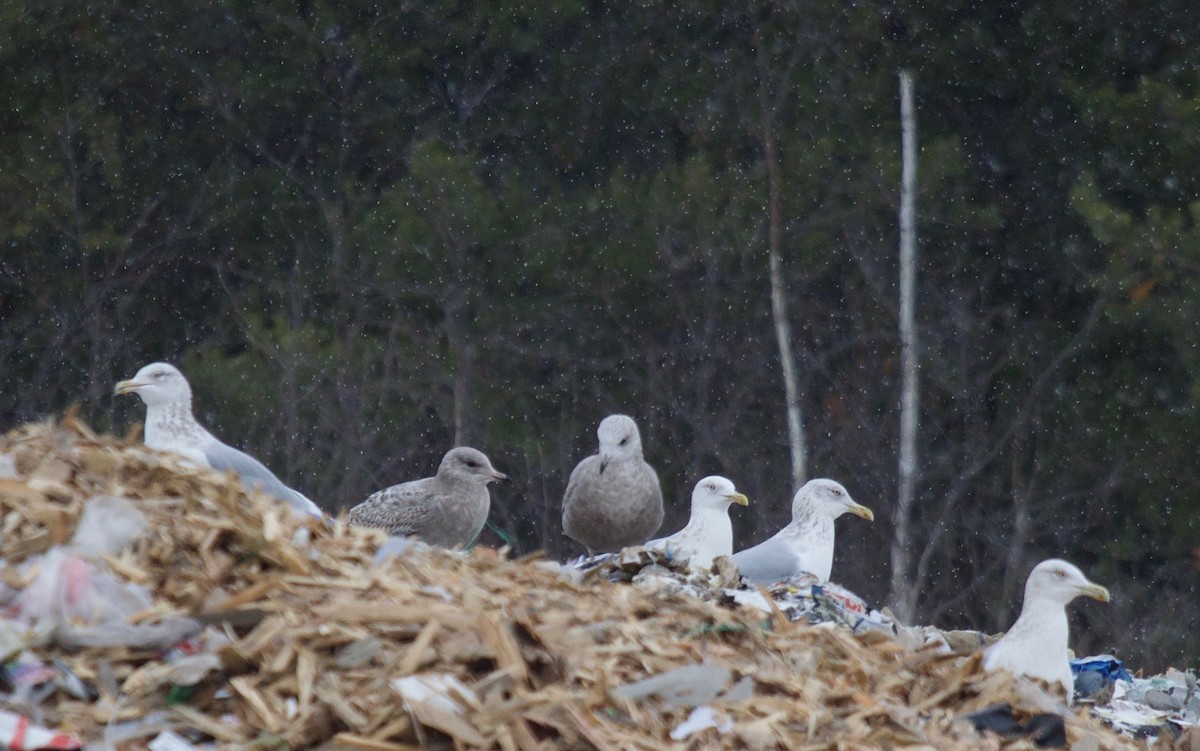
x: 767, y: 562
x: 577, y: 476
x: 255, y: 475
x: 398, y: 509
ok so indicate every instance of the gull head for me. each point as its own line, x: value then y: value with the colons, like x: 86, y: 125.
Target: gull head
x: 1057, y: 581
x: 468, y: 464
x: 619, y: 438
x: 717, y: 493
x: 828, y: 498
x: 157, y: 383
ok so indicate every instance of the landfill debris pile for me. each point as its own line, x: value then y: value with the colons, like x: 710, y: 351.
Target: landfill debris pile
x: 149, y: 604
x: 1143, y: 707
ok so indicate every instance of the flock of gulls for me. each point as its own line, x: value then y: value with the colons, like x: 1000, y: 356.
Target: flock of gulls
x: 613, y: 501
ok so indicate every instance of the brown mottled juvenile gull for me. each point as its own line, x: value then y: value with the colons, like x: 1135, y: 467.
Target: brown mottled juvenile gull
x: 447, y: 510
x: 1036, y: 645
x: 170, y: 426
x: 805, y: 544
x: 612, y: 498
x: 708, y: 533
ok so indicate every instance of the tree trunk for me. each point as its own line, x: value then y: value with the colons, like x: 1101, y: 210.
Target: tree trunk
x: 783, y: 331
x: 904, y: 594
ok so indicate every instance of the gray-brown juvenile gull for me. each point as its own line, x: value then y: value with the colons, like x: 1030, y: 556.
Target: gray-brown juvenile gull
x: 613, y: 499
x: 447, y: 510
x: 170, y: 426
x: 1036, y: 645
x: 806, y: 543
x: 708, y: 533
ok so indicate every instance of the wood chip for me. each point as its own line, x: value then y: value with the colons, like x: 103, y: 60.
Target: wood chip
x: 536, y: 652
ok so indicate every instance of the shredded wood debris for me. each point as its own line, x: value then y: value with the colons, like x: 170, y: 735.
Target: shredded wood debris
x: 306, y: 643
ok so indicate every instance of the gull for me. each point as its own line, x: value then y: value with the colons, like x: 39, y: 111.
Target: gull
x: 1036, y: 645
x: 805, y: 544
x: 613, y: 499
x: 708, y: 533
x: 447, y: 510
x: 170, y: 426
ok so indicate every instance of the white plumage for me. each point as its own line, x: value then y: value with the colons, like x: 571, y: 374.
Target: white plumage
x: 170, y: 426
x: 805, y: 544
x: 708, y: 533
x: 1036, y: 645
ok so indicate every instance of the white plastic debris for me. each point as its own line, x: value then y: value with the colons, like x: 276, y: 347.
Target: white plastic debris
x: 78, y: 602
x: 1145, y: 704
x: 441, y: 691
x: 750, y: 597
x: 108, y: 525
x: 440, y: 700
x: 302, y: 537
x: 568, y: 571
x: 393, y: 547
x: 69, y: 588
x: 690, y: 685
x: 181, y: 671
x: 437, y: 590
x: 168, y: 741
x: 12, y: 639
x: 701, y: 718
x: 18, y: 733
x: 1129, y: 716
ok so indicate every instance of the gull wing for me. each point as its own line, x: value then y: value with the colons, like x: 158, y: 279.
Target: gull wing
x: 255, y: 475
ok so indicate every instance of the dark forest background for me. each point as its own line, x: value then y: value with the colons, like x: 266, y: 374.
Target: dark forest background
x: 370, y: 231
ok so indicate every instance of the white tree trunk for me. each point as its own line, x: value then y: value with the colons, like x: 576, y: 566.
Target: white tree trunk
x: 903, y: 592
x: 783, y: 331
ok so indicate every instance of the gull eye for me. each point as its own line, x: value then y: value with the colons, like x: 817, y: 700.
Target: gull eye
x: 472, y: 463
x: 1060, y: 574
x: 712, y: 488
x: 624, y: 441
x: 837, y: 492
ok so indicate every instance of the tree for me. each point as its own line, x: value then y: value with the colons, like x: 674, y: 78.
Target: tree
x: 903, y: 594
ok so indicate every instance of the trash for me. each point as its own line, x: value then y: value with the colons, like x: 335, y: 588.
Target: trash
x: 440, y: 701
x: 18, y: 734
x: 806, y: 597
x: 8, y: 467
x: 841, y: 606
x: 701, y: 718
x: 1132, y: 718
x: 1142, y: 707
x: 238, y: 626
x: 1044, y: 730
x: 108, y: 525
x: 27, y: 670
x: 689, y: 685
x: 12, y: 639
x: 118, y: 732
x: 68, y: 588
x: 168, y: 741
x: 184, y: 671
x: 1093, y: 675
x: 79, y: 603
x: 358, y: 653
x: 393, y: 547
x: 1168, y: 692
x: 70, y: 682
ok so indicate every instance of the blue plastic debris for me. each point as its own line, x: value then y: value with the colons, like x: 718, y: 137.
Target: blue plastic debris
x: 1094, y: 674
